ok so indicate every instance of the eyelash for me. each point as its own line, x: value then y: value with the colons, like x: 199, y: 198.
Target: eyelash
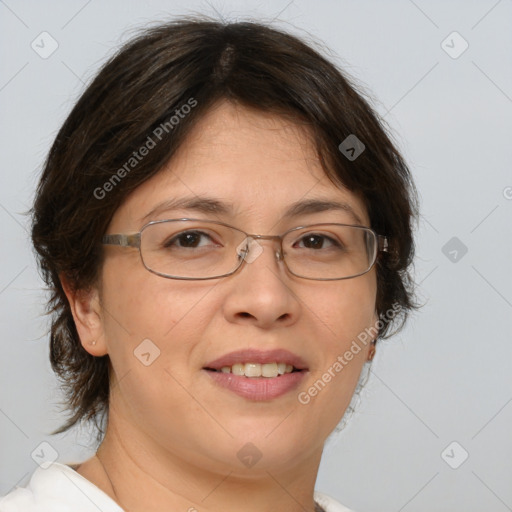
x: 177, y: 237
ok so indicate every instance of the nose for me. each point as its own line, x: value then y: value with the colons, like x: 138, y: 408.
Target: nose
x: 261, y: 292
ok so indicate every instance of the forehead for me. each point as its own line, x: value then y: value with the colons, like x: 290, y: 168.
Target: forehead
x: 257, y: 164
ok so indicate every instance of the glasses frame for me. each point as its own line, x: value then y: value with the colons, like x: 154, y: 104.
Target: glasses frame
x: 134, y: 240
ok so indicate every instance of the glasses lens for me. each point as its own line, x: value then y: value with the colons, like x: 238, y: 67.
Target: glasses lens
x: 329, y: 251
x: 190, y: 249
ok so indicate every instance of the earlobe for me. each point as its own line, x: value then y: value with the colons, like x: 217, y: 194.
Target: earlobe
x: 371, y: 352
x: 86, y: 310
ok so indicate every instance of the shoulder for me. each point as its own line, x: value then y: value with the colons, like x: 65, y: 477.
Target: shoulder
x: 57, y: 488
x: 330, y: 504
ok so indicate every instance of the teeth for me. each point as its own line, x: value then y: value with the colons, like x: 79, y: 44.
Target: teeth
x: 252, y: 370
x: 269, y: 370
x: 258, y: 370
x: 237, y: 369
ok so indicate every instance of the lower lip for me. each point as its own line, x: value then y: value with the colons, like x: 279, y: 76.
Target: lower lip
x: 258, y: 388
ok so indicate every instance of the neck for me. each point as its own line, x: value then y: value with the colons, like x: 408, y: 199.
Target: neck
x: 141, y: 477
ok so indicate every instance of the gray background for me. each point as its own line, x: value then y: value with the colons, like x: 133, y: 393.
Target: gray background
x: 447, y: 376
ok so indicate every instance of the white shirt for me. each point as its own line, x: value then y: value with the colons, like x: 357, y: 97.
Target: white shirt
x: 59, y: 488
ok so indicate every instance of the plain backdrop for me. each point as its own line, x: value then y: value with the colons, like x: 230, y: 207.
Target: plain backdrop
x: 432, y: 430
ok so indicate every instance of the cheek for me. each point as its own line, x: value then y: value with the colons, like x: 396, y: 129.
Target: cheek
x: 344, y: 309
x: 138, y: 304
x: 151, y: 327
x: 147, y: 314
x: 343, y: 313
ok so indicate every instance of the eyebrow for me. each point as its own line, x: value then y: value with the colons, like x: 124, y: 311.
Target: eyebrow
x: 209, y: 205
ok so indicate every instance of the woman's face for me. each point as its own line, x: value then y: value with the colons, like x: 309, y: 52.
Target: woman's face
x: 161, y: 334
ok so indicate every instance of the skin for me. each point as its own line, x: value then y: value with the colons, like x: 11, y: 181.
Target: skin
x: 173, y: 436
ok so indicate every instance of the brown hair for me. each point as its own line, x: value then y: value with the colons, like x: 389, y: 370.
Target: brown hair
x: 91, y: 167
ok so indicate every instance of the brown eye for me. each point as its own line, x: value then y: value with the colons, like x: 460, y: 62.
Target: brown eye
x: 188, y: 239
x: 317, y: 241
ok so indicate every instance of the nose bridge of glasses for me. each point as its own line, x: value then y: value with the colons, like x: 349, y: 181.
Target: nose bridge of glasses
x: 250, y: 249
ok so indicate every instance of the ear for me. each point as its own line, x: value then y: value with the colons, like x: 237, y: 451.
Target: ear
x: 86, y: 310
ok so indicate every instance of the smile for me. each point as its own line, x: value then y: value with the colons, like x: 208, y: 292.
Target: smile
x: 252, y: 370
x: 257, y: 375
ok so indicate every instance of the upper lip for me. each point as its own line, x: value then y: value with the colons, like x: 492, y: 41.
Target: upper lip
x: 258, y: 356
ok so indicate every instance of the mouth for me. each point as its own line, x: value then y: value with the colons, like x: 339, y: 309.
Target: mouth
x: 254, y: 370
x: 257, y: 375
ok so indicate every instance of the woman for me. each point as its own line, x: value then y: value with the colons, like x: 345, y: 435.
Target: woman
x: 226, y: 230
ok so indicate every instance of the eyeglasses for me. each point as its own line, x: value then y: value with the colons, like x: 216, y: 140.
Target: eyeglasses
x: 205, y: 249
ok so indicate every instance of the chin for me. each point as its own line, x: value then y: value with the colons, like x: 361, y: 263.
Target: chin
x: 264, y: 447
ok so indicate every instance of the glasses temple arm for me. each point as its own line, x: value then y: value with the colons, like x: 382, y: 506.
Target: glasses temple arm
x: 383, y: 243
x: 122, y: 240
